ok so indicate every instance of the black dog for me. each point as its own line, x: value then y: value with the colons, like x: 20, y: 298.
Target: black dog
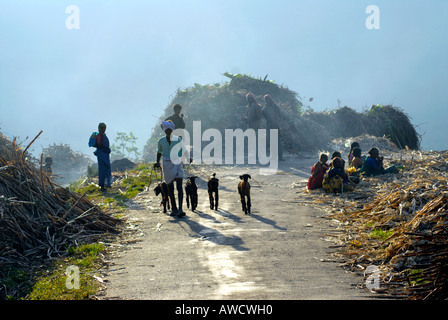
x: 191, y: 189
x: 212, y: 188
x: 163, y: 189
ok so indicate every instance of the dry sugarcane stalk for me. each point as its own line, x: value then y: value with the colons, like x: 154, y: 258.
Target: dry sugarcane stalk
x: 413, y: 205
x: 29, y: 145
x: 30, y: 204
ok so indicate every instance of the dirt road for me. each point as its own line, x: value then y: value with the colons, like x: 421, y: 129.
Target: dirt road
x: 275, y: 253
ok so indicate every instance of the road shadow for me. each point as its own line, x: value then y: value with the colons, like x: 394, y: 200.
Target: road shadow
x: 230, y: 215
x: 205, y: 215
x: 203, y: 233
x: 267, y: 221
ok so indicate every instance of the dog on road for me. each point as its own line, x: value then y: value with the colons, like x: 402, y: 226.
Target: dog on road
x: 244, y: 191
x: 162, y: 188
x: 191, y: 190
x: 212, y: 188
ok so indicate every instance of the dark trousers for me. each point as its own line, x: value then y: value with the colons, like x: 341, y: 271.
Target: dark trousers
x: 180, y: 194
x: 104, y: 172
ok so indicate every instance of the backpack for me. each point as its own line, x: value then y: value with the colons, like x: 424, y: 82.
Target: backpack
x: 92, y: 140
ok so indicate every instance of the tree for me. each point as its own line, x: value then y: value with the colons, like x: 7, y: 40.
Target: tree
x: 125, y: 143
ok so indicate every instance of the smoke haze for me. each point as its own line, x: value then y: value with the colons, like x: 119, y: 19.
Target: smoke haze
x: 128, y: 58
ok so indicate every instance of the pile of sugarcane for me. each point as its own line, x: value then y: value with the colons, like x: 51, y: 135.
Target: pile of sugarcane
x: 223, y: 107
x: 39, y: 219
x: 366, y: 141
x: 399, y: 224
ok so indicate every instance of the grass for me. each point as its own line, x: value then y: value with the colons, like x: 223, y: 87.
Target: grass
x: 14, y: 280
x: 381, y: 234
x: 415, y: 277
x: 58, y: 283
x: 137, y: 180
x: 121, y: 192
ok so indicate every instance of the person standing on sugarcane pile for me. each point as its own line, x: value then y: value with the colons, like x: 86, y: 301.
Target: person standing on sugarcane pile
x: 254, y: 113
x: 373, y: 165
x: 177, y: 118
x: 273, y: 116
x: 172, y: 172
x: 102, y: 153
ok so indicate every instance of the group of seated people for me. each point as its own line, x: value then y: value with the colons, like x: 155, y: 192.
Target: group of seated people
x: 333, y: 178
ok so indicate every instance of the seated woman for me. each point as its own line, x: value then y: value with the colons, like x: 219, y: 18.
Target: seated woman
x: 356, y: 161
x: 317, y: 173
x: 373, y: 165
x: 336, y: 180
x: 337, y: 154
x: 350, y: 155
x: 355, y: 166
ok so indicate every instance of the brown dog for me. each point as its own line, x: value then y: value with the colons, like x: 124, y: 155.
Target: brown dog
x: 244, y: 191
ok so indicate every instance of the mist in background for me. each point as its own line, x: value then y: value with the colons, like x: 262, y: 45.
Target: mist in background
x: 128, y: 58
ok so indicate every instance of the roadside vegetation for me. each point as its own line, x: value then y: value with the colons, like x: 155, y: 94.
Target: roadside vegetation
x: 126, y: 186
x: 57, y: 280
x: 73, y: 277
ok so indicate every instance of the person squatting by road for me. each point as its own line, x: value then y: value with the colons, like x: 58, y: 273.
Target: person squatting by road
x: 172, y: 172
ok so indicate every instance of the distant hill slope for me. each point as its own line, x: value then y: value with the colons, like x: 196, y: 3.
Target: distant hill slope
x: 222, y: 106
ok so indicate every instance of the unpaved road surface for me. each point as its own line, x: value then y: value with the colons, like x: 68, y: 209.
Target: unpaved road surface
x: 274, y: 253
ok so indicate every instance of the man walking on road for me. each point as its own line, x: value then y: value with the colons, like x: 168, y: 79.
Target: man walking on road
x: 172, y: 172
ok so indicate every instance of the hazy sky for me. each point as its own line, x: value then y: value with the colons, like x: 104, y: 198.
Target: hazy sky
x: 128, y: 58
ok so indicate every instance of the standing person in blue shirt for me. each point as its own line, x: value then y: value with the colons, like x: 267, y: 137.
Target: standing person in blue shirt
x: 173, y: 171
x: 102, y: 153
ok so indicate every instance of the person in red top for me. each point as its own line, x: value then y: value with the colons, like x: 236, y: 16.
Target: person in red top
x: 317, y: 173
